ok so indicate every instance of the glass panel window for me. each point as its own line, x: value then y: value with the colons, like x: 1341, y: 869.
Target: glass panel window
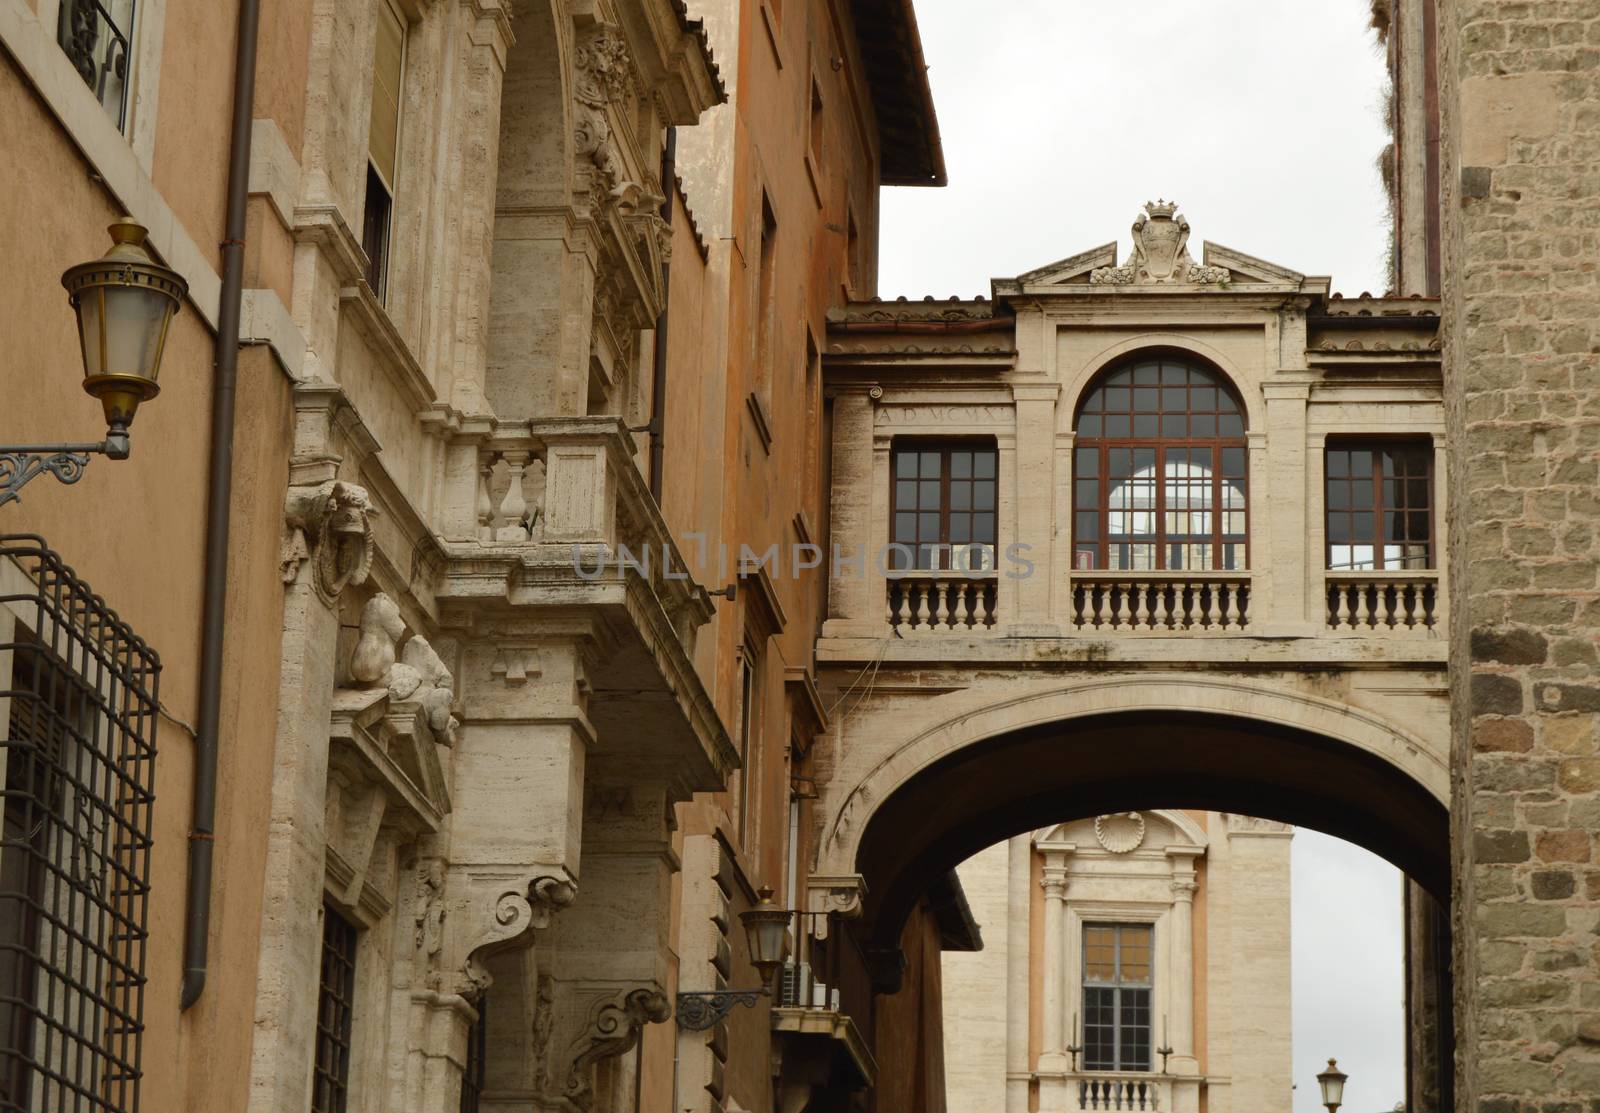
x: 383, y: 143
x: 97, y: 38
x: 1116, y: 996
x: 1159, y: 471
x: 945, y: 503
x: 1379, y: 505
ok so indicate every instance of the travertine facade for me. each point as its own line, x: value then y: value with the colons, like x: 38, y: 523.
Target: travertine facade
x: 1207, y: 895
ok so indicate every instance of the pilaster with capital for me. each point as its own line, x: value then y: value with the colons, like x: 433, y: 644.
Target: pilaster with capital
x: 1180, y: 1014
x: 1034, y: 490
x: 856, y: 602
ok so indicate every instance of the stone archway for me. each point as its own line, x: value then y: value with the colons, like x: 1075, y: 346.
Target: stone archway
x: 899, y: 816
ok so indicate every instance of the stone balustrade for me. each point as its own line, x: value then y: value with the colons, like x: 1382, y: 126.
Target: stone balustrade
x: 941, y: 602
x: 1161, y: 602
x: 1105, y: 1090
x: 1362, y: 602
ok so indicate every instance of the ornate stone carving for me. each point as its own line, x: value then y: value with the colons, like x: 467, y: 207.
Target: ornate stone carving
x: 600, y: 74
x: 331, y: 525
x: 613, y: 1029
x: 517, y: 913
x: 1119, y: 832
x: 381, y: 630
x: 430, y: 910
x: 840, y: 896
x: 419, y: 674
x: 1160, y: 253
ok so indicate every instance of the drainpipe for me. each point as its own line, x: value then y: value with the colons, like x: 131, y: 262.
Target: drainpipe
x: 658, y: 386
x: 202, y: 827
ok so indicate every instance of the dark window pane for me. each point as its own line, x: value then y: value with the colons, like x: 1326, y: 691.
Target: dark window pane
x: 905, y: 494
x: 1417, y: 526
x: 1174, y: 425
x: 1174, y: 399
x: 928, y: 494
x: 960, y: 494
x: 905, y: 527
x: 1120, y: 378
x: 1087, y: 492
x: 930, y: 465
x: 1086, y: 461
x: 1146, y: 400
x: 1203, y: 425
x: 1339, y: 495
x: 1174, y: 373
x: 1417, y: 493
x: 983, y: 498
x: 983, y: 528
x: 1089, y: 425
x: 1203, y: 399
x: 1361, y: 494
x: 1339, y: 528
x: 928, y: 526
x: 1117, y: 399
x: 984, y: 464
x: 960, y: 465
x: 1145, y: 425
x: 1233, y: 463
x: 1146, y: 374
x: 1360, y: 462
x: 1338, y: 462
x: 1096, y: 402
x: 1230, y: 425
x: 1118, y: 426
x: 905, y: 465
x: 1088, y: 526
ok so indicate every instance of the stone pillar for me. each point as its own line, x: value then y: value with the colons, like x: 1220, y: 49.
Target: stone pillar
x: 1278, y: 515
x: 1053, y: 1061
x: 1018, y: 984
x: 1034, y: 523
x: 1520, y: 316
x: 851, y: 607
x: 1178, y: 1013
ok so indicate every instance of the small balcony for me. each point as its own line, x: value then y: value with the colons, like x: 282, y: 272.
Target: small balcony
x: 1161, y: 602
x: 942, y: 602
x: 1138, y: 1091
x: 1384, y: 603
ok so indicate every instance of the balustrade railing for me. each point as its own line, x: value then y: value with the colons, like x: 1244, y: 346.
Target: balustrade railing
x: 1106, y: 1091
x: 940, y: 602
x: 1387, y: 601
x: 1157, y: 602
x: 511, y: 489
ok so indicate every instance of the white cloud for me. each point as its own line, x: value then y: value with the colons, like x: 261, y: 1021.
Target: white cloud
x: 1061, y: 117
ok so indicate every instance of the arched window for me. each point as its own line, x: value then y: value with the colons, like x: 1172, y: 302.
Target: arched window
x: 1159, y: 470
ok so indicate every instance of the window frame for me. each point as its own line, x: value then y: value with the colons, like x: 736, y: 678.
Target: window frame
x: 332, y: 1079
x: 375, y: 239
x: 1377, y: 444
x: 945, y: 446
x: 127, y: 36
x: 1160, y: 444
x: 1118, y: 986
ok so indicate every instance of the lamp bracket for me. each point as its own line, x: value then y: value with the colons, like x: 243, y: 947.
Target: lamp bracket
x: 699, y: 1011
x: 21, y: 463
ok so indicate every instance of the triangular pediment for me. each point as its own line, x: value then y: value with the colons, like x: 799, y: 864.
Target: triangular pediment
x: 1074, y: 267
x: 1247, y: 268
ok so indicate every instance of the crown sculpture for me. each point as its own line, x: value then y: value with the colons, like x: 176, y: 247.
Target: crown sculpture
x: 1160, y: 253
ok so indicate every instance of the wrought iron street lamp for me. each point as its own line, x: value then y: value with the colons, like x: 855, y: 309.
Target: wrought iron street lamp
x: 766, y: 930
x: 1332, y: 1082
x: 124, y: 302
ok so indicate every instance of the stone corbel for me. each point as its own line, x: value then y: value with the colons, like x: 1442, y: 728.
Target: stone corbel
x: 614, y: 1022
x: 841, y: 895
x: 519, y: 910
x: 329, y: 525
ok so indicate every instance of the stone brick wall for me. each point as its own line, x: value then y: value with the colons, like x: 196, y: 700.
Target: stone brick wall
x: 1520, y: 90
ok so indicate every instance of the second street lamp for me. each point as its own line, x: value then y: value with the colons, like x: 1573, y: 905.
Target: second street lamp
x: 766, y: 929
x: 1332, y: 1082
x: 125, y: 302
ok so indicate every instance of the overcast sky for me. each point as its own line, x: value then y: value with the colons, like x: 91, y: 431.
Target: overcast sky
x: 1262, y: 118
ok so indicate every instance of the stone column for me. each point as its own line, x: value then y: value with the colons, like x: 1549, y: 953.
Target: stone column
x: 1018, y: 984
x: 1053, y: 1061
x: 851, y: 608
x: 1033, y: 498
x: 1178, y: 1013
x: 1278, y: 514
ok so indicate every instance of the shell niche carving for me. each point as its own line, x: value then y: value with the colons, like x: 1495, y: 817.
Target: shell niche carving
x: 1119, y: 832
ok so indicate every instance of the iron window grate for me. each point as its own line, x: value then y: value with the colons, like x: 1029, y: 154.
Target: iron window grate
x: 330, y: 1078
x: 78, y: 696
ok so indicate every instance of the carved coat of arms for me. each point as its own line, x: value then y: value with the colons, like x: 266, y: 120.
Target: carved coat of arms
x: 1160, y: 252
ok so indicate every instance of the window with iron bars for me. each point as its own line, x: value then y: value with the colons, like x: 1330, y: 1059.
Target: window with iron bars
x: 97, y: 36
x: 330, y: 1074
x: 78, y: 697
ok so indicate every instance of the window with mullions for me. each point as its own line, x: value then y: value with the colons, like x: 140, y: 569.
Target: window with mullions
x: 330, y: 1074
x: 97, y: 38
x: 1159, y: 473
x: 1379, y: 505
x: 1116, y: 996
x: 943, y: 507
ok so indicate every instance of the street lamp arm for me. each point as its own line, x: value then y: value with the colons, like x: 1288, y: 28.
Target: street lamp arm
x: 21, y: 463
x: 699, y: 1011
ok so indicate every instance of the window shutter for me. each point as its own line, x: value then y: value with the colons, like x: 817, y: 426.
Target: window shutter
x: 388, y: 59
